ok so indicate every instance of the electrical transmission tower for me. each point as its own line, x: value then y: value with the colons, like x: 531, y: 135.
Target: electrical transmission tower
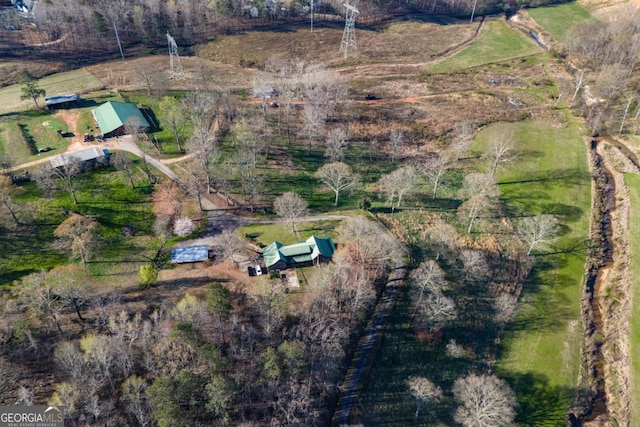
x: 348, y: 44
x: 174, y: 59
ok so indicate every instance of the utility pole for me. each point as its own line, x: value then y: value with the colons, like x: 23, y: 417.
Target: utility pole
x: 118, y: 39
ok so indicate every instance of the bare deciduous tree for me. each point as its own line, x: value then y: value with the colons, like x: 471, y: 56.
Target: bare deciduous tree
x: 40, y: 297
x: 67, y: 174
x: 367, y: 244
x: 396, y: 141
x: 204, y: 148
x: 629, y: 96
x: 172, y: 114
x: 424, y: 391
x: 398, y: 184
x: 443, y: 236
x: 480, y: 192
x: 505, y: 307
x: 77, y: 234
x: 580, y: 79
x: 7, y: 192
x: 336, y: 145
x: 313, y: 117
x: 428, y: 277
x: 484, y: 401
x: 538, y: 231
x: 122, y: 162
x: 474, y: 264
x: 436, y: 309
x: 434, y: 168
x: 290, y: 207
x: 338, y: 177
x: 462, y: 138
x: 500, y: 153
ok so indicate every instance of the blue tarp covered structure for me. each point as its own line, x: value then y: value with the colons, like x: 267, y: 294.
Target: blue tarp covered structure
x: 189, y: 254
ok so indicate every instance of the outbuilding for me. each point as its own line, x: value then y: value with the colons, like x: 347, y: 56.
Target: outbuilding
x: 62, y: 101
x: 188, y: 254
x: 90, y: 154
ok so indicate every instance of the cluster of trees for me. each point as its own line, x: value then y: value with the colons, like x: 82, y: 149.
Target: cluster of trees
x: 607, y: 53
x: 202, y: 121
x: 215, y: 357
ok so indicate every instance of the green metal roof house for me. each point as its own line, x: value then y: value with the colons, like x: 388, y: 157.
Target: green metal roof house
x: 312, y: 251
x: 112, y: 117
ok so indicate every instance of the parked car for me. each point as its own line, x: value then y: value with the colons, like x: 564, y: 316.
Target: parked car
x: 258, y: 270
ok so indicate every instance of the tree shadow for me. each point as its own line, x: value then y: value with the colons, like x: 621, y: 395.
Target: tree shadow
x: 540, y: 403
x: 564, y: 176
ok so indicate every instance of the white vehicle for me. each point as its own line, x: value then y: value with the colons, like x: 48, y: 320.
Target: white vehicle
x: 258, y: 270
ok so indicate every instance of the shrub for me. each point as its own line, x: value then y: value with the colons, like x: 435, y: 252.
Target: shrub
x: 148, y: 276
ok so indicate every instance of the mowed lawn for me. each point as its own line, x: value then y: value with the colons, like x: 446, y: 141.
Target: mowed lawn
x: 633, y: 186
x: 497, y: 42
x: 76, y: 81
x: 541, y: 351
x: 558, y: 20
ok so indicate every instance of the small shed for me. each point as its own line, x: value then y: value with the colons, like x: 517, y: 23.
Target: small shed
x: 93, y: 153
x: 189, y: 254
x: 113, y: 117
x: 62, y: 101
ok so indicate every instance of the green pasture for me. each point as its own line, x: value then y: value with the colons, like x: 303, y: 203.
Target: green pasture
x: 78, y: 81
x: 497, y: 42
x: 633, y: 186
x: 558, y: 20
x: 32, y: 128
x: 541, y: 352
x: 105, y: 194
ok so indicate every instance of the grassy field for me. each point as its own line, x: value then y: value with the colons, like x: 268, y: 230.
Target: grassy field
x: 400, y: 42
x: 77, y: 81
x: 37, y: 129
x: 496, y: 43
x: 541, y: 354
x: 103, y: 193
x: 633, y: 186
x: 558, y: 20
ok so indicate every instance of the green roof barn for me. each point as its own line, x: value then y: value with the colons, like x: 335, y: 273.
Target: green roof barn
x: 312, y: 251
x: 112, y: 117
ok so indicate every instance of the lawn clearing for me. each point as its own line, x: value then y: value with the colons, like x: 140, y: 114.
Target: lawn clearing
x: 558, y: 20
x: 633, y: 186
x: 541, y: 353
x: 497, y: 42
x: 265, y: 234
x: 103, y: 193
x: 77, y: 81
